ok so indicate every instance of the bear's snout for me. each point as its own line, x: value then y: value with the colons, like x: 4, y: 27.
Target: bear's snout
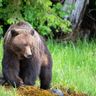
x: 29, y: 56
x: 28, y: 53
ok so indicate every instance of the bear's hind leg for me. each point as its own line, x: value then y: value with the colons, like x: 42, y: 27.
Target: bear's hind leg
x: 45, y: 77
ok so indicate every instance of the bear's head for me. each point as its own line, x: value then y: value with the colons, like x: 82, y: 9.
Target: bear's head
x: 21, y: 43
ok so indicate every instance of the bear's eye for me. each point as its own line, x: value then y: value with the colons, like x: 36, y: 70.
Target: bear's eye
x: 17, y: 49
x: 25, y: 44
x: 32, y: 32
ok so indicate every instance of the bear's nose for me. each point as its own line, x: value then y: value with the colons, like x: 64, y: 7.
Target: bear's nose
x: 29, y: 56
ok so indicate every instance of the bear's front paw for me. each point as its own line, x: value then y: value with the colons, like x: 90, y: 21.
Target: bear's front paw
x: 21, y: 83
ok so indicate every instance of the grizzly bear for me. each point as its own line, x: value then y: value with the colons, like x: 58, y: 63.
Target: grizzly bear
x: 26, y: 57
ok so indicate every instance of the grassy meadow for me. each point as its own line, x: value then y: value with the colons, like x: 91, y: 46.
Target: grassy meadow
x: 74, y: 66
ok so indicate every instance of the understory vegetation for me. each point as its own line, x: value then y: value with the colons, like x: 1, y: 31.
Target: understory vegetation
x: 74, y: 66
x: 41, y: 14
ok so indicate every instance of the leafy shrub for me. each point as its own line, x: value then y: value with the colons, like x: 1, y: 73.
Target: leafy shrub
x: 41, y: 14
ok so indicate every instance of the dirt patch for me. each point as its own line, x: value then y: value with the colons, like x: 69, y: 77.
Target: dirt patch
x: 35, y: 91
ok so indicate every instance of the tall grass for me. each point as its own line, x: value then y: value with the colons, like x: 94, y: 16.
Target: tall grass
x: 73, y: 65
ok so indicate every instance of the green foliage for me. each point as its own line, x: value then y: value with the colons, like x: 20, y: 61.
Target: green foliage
x: 0, y: 3
x: 40, y: 13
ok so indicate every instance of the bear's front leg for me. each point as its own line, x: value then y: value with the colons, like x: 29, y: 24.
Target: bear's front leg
x: 11, y: 76
x: 29, y: 71
x: 10, y: 69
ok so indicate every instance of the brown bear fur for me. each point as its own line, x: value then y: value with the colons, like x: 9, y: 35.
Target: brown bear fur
x: 26, y: 57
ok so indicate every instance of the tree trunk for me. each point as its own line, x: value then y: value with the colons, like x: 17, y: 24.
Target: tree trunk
x: 83, y: 19
x: 77, y: 14
x: 67, y: 7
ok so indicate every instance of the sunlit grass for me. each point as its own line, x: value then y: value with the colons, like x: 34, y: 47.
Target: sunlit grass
x: 74, y: 65
x: 7, y: 92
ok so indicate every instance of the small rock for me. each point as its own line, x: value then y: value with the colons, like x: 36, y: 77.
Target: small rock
x: 57, y: 92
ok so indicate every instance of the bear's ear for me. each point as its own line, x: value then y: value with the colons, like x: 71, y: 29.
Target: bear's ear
x: 32, y: 32
x: 14, y: 33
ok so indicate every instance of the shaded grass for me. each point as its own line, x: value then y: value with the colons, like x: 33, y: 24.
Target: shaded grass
x: 74, y: 65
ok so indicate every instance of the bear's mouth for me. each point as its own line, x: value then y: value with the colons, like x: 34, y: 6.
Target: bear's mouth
x: 28, y: 56
x: 25, y: 56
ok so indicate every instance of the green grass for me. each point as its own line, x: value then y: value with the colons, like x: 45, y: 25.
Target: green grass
x: 4, y: 92
x: 73, y: 66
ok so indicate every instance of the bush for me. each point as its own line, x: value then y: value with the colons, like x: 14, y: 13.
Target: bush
x: 41, y: 14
